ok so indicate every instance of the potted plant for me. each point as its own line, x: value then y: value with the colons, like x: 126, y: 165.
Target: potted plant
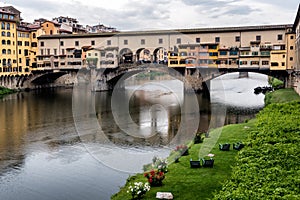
x: 198, y: 138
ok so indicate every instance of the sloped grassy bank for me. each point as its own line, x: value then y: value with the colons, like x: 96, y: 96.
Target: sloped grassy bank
x: 267, y: 168
x: 4, y: 91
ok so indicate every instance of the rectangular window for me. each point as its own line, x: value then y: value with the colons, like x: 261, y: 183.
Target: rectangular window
x: 25, y: 52
x: 160, y: 41
x: 76, y: 43
x: 265, y: 62
x: 42, y: 52
x: 258, y: 38
x: 61, y: 43
x: 213, y: 53
x: 223, y: 53
x: 283, y: 64
x: 237, y: 38
x: 19, y: 43
x: 254, y: 62
x: 42, y: 44
x: 291, y: 58
x: 20, y: 60
x: 274, y: 64
x: 178, y: 41
x: 291, y: 47
x: 217, y: 39
x: 48, y: 51
x: 55, y: 51
x: 125, y: 42
x: 27, y: 62
x: 27, y: 43
x: 198, y: 40
x: 233, y: 53
x: 143, y: 41
x: 292, y: 37
x: 63, y: 51
x: 203, y: 54
x: 93, y: 42
x: 254, y: 53
x: 108, y: 42
x: 243, y: 62
x: 279, y: 37
x: 20, y: 51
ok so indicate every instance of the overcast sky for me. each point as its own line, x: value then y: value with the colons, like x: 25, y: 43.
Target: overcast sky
x: 161, y: 14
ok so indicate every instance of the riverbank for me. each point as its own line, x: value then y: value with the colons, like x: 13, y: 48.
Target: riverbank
x: 187, y: 183
x: 4, y: 91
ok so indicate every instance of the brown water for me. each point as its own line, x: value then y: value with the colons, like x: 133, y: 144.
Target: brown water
x: 51, y: 146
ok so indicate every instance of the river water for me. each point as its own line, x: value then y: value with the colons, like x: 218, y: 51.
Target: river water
x: 76, y: 144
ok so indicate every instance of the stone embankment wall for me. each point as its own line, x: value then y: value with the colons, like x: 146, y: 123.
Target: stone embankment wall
x: 297, y: 84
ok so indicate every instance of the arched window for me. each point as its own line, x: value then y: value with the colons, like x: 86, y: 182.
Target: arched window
x: 2, y: 33
x: 9, y: 62
x: 8, y: 26
x: 4, y: 62
x: 3, y: 42
x: 3, y: 25
x: 8, y: 42
x: 3, y: 51
x: 34, y: 35
x: 8, y: 51
x: 8, y: 34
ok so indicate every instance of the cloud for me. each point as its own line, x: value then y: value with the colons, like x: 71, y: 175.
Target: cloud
x: 162, y: 14
x: 240, y: 10
x: 208, y: 3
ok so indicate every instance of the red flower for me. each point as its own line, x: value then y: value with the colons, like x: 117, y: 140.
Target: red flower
x: 152, y: 172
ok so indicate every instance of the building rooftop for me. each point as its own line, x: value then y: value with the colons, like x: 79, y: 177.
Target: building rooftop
x: 175, y: 31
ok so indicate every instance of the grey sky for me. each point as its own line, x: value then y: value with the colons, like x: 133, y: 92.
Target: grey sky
x: 161, y: 14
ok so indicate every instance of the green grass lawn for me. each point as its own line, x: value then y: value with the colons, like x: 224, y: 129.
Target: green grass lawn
x: 281, y: 96
x: 197, y: 183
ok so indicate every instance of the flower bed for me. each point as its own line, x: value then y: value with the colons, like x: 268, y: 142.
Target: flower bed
x: 155, y: 177
x: 138, y: 190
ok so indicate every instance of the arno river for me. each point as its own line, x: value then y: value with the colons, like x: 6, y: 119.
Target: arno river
x: 74, y: 144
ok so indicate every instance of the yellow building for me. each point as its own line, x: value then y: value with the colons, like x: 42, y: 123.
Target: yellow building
x: 50, y: 28
x: 8, y: 45
x: 18, y: 45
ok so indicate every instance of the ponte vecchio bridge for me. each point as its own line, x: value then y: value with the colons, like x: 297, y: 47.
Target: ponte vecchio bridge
x: 197, y: 54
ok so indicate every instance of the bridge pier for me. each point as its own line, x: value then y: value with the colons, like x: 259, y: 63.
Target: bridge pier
x: 194, y: 80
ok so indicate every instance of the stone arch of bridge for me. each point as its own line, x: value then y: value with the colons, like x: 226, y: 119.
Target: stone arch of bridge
x: 143, y: 54
x: 160, y: 55
x: 46, y: 78
x: 126, y: 56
